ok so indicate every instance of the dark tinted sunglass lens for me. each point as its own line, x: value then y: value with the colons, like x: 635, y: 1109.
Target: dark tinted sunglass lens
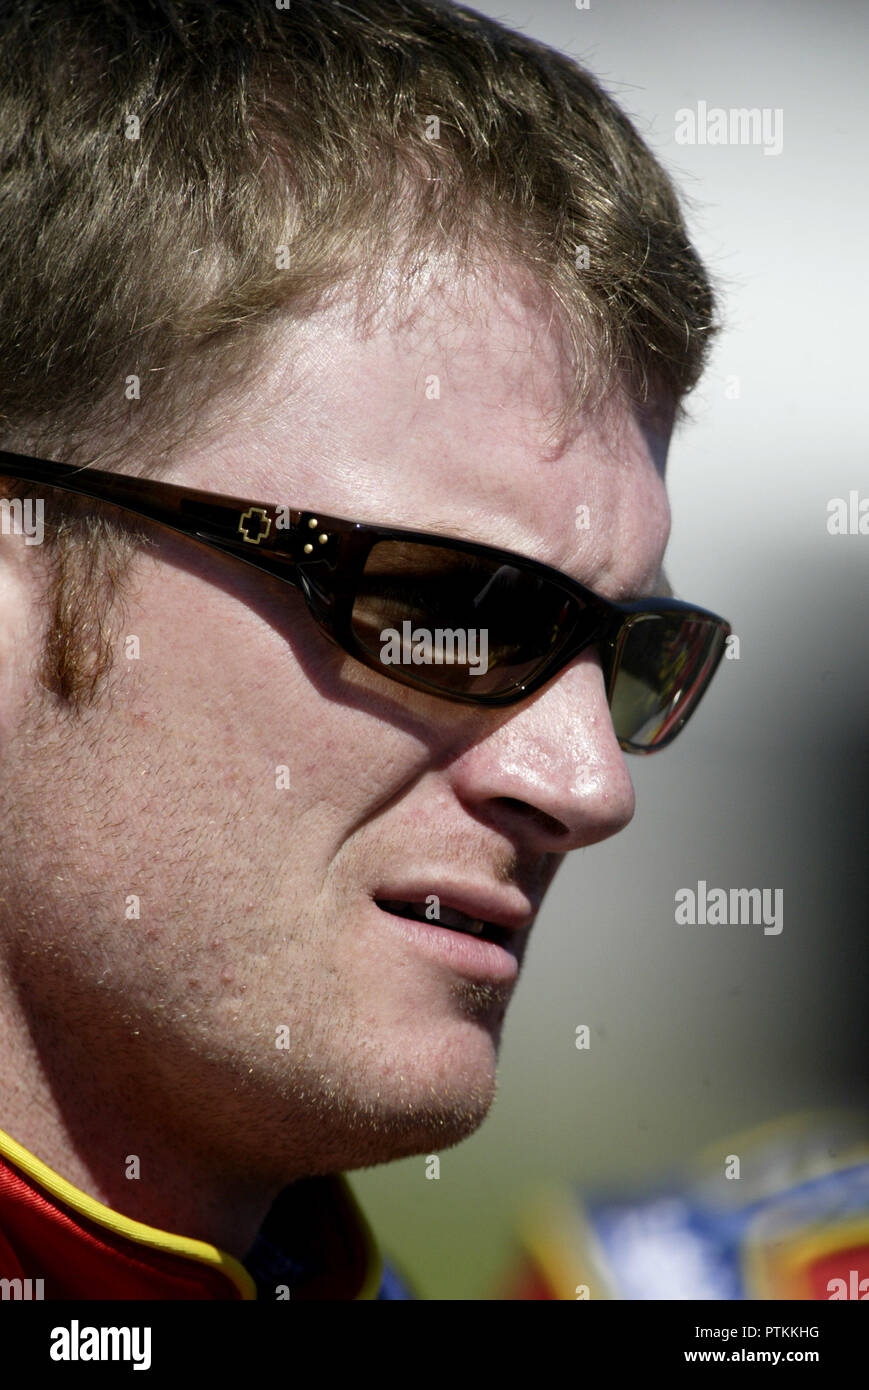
x: 663, y: 667
x: 461, y: 623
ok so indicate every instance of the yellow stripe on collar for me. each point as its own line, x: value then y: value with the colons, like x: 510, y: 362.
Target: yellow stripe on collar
x: 137, y: 1231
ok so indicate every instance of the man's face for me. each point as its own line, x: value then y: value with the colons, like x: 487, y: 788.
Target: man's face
x: 258, y: 902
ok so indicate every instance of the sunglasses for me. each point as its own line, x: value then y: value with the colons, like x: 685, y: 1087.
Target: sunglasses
x: 464, y: 622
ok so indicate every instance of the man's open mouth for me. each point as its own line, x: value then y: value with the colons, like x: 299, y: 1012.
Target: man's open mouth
x: 448, y: 917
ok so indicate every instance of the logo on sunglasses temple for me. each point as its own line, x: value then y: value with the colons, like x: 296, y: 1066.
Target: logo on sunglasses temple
x: 422, y: 646
x: 255, y: 525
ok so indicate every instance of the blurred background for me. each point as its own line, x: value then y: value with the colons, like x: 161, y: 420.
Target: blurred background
x: 700, y: 1032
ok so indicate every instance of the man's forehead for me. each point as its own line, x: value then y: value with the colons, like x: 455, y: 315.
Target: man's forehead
x: 444, y: 423
x: 494, y: 337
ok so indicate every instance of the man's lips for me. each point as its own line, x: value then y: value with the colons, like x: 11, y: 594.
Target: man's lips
x: 475, y: 913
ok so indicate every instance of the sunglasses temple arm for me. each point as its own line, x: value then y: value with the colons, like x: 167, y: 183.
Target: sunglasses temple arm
x: 250, y: 531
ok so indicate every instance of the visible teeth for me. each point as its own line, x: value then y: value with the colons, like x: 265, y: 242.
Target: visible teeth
x: 446, y: 917
x: 459, y: 921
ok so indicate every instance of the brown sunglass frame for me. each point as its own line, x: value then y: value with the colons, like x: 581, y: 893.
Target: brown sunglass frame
x: 324, y: 557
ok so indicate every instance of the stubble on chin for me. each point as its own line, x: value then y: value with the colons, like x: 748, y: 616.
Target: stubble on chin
x: 481, y: 1002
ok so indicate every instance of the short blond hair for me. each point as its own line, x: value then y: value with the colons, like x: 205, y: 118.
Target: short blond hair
x: 157, y: 156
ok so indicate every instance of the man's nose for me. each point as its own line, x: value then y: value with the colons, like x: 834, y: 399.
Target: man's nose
x: 552, y: 771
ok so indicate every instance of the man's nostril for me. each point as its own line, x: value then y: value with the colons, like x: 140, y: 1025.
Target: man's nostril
x: 547, y: 823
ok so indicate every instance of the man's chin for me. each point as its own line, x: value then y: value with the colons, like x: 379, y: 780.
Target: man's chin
x: 424, y: 1128
x: 415, y: 1109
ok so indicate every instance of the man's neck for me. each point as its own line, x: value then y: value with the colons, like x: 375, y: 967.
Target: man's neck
x: 94, y: 1131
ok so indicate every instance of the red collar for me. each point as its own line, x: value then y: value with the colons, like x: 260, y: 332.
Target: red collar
x: 53, y: 1232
